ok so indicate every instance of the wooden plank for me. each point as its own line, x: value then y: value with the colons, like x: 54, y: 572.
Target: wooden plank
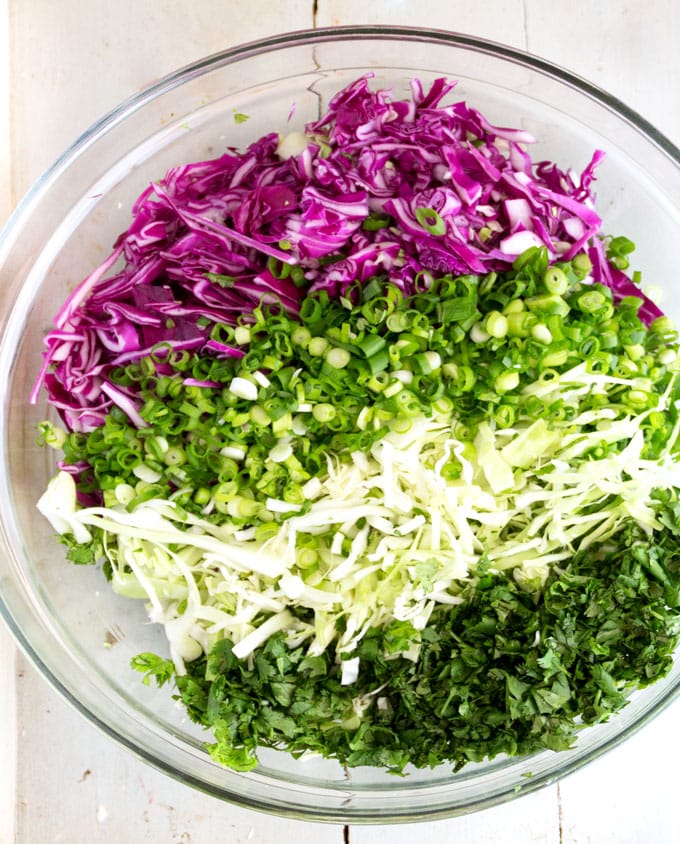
x: 74, y: 61
x: 8, y: 745
x: 502, y: 21
x: 629, y: 795
x: 7, y: 647
x: 532, y: 819
x: 627, y: 48
x: 7, y: 200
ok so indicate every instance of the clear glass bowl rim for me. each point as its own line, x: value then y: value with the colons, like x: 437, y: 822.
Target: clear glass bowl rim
x: 311, y: 37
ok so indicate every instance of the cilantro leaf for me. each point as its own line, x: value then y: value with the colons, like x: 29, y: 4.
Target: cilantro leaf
x: 152, y: 666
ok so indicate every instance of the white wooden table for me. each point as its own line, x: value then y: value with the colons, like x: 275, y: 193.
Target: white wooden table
x: 62, y: 64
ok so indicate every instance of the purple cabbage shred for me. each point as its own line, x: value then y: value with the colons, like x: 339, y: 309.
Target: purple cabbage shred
x: 237, y: 217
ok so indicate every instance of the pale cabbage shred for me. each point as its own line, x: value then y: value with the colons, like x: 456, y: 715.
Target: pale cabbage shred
x: 394, y: 537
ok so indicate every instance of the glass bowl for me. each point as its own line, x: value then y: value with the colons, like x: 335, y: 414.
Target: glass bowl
x: 79, y: 634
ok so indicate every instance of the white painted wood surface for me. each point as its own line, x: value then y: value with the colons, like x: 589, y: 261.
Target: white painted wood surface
x: 62, y: 64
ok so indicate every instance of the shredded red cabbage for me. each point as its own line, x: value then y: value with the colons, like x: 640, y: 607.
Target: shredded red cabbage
x: 369, y: 158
